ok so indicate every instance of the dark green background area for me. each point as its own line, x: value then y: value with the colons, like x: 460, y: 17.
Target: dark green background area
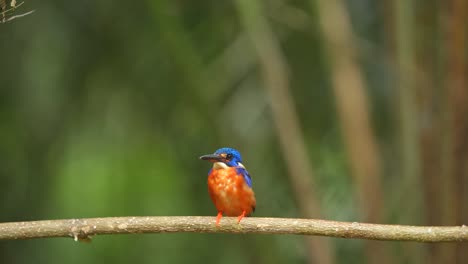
x: 105, y: 107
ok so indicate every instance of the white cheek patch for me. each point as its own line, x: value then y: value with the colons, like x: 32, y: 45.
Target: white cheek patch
x: 219, y: 165
x: 240, y: 165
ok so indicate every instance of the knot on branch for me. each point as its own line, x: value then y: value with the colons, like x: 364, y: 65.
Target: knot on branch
x: 81, y: 231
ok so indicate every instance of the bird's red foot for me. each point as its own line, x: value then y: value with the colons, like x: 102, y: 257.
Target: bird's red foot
x: 240, y: 217
x: 218, y: 218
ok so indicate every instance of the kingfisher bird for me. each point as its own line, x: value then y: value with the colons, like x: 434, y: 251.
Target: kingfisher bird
x: 229, y: 184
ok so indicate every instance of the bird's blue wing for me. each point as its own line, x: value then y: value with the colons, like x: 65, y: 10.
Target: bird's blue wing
x: 246, y: 176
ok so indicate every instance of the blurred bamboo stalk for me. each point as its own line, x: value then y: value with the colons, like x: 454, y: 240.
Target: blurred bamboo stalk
x: 433, y: 137
x: 455, y: 204
x: 409, y: 122
x: 408, y: 114
x: 353, y: 111
x: 274, y: 71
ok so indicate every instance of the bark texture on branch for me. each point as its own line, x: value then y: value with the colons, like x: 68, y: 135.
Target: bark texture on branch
x: 83, y: 229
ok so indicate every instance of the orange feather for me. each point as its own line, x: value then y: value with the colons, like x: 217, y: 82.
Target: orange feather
x: 230, y: 193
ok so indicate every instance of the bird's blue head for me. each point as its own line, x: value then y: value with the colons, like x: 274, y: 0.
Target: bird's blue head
x: 228, y: 156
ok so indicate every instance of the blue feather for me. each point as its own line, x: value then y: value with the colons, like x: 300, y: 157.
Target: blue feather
x: 246, y: 175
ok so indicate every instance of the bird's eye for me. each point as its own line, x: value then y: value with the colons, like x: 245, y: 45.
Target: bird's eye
x: 228, y: 156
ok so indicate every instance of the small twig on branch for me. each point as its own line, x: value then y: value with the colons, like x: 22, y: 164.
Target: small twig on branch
x: 83, y: 229
x: 14, y: 6
x: 18, y: 16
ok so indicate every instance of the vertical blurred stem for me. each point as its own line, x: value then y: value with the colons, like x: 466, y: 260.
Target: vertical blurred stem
x: 456, y: 190
x: 406, y: 91
x: 274, y: 72
x: 352, y: 104
x: 432, y: 102
x: 408, y: 116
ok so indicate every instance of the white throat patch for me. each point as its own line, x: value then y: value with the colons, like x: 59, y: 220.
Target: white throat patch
x: 220, y: 165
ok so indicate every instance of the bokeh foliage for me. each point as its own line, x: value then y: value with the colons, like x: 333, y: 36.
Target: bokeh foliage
x: 105, y: 107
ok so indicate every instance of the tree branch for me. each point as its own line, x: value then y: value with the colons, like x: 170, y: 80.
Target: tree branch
x: 83, y: 229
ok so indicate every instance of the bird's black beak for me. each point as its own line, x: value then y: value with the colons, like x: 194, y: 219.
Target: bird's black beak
x: 213, y: 158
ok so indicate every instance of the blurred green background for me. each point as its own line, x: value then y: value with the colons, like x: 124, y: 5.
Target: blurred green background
x: 343, y: 110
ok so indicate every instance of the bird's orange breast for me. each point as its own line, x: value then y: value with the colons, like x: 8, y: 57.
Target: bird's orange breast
x: 230, y: 193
